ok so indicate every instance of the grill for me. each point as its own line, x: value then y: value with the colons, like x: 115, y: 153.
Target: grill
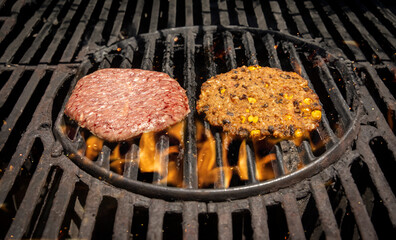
x: 193, y: 46
x: 345, y: 189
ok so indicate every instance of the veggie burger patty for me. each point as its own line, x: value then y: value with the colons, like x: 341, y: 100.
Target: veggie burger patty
x: 260, y: 101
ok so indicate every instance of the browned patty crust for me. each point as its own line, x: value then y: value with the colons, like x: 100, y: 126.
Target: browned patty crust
x: 119, y: 104
x: 260, y: 101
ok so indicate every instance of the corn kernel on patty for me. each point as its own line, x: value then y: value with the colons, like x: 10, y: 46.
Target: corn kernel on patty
x: 260, y: 101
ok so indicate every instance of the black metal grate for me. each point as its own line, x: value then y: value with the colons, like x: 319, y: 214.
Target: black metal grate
x: 219, y: 48
x: 361, y: 189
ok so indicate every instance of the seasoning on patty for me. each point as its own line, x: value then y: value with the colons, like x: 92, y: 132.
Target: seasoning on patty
x: 260, y: 101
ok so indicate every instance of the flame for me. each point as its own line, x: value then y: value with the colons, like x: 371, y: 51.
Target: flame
x: 227, y: 170
x: 117, y: 160
x: 242, y: 162
x: 209, y: 170
x: 208, y: 173
x: 150, y: 158
x: 148, y: 161
x: 94, y: 147
x: 264, y: 169
x: 351, y: 43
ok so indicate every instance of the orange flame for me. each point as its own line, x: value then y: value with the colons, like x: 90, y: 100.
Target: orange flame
x: 242, y: 162
x: 94, y: 146
x: 227, y: 170
x: 264, y: 169
x: 148, y: 160
x: 151, y: 158
x: 206, y: 159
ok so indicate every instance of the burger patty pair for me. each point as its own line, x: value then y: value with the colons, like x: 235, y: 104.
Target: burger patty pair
x: 119, y: 104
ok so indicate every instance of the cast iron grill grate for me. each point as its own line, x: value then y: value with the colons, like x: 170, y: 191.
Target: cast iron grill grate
x: 182, y: 54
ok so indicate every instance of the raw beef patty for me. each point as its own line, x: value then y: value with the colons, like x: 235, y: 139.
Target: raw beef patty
x: 119, y: 104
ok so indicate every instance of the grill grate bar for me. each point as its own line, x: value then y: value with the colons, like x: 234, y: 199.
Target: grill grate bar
x: 206, y: 17
x: 293, y: 217
x: 129, y: 53
x: 104, y: 156
x: 277, y: 13
x: 93, y: 201
x: 160, y: 154
x: 123, y: 218
x: 219, y: 157
x: 190, y: 157
x: 10, y: 175
x: 335, y: 95
x: 251, y: 163
x: 225, y: 221
x: 131, y: 167
x: 208, y: 48
x: 190, y: 220
x: 27, y: 30
x: 250, y: 50
x: 22, y: 218
x: 223, y: 12
x: 136, y: 18
x: 73, y: 44
x: 189, y: 13
x: 154, y: 16
x: 167, y: 64
x: 299, y: 68
x: 96, y: 35
x: 148, y: 56
x: 59, y: 207
x: 273, y: 58
x: 21, y: 104
x: 42, y: 34
x: 261, y: 22
x: 60, y: 33
x: 230, y: 51
x: 348, y: 77
x: 106, y: 62
x: 10, y: 84
x: 297, y: 18
x: 278, y: 164
x: 211, y: 68
x: 307, y: 156
x: 366, y: 228
x: 259, y: 218
x: 242, y: 20
x: 172, y: 14
x: 115, y: 32
x: 10, y: 22
x: 326, y: 215
x: 156, y: 219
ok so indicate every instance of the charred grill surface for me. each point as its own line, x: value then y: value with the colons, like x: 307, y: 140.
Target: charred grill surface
x: 45, y: 195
